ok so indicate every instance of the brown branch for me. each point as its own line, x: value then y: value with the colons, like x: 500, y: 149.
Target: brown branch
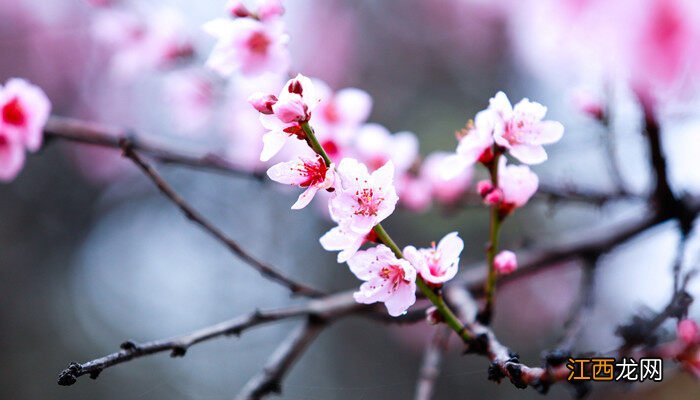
x: 327, y: 308
x: 95, y: 134
x: 269, y: 380
x: 568, y: 193
x: 193, y: 215
x: 430, y: 368
x: 581, y: 311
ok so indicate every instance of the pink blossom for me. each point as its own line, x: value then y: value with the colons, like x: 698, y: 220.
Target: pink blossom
x: 262, y: 102
x: 478, y: 138
x: 495, y: 196
x: 191, y: 97
x: 484, y: 187
x: 237, y: 9
x: 345, y: 241
x: 522, y: 131
x: 505, y: 262
x: 25, y: 110
x: 688, y: 331
x: 11, y: 155
x: 437, y: 265
x: 362, y: 199
x: 517, y: 182
x: 248, y: 45
x: 294, y: 105
x: 445, y: 186
x: 414, y: 192
x: 270, y: 9
x: 387, y: 279
x: 375, y: 145
x: 312, y: 174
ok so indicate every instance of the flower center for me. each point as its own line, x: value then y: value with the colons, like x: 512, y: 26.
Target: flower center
x: 12, y: 113
x: 518, y: 130
x: 392, y: 273
x: 367, y: 203
x: 315, y: 173
x: 258, y: 43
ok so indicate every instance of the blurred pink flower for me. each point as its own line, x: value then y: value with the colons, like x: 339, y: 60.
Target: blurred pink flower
x: 688, y: 331
x: 387, y: 279
x: 312, y: 174
x: 437, y: 265
x: 414, y: 192
x: 444, y: 185
x: 249, y: 46
x: 522, y: 131
x: 517, y: 182
x: 505, y: 262
x: 25, y: 110
x: 363, y: 200
x: 190, y: 95
x: 375, y: 145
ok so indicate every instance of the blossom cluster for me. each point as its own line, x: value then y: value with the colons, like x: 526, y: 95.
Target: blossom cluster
x: 365, y: 168
x: 24, y: 110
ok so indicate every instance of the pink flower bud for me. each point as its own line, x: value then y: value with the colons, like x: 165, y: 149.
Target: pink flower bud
x: 237, y: 9
x: 484, y: 187
x: 262, y: 102
x: 495, y: 196
x: 290, y: 109
x: 505, y: 262
x: 270, y: 9
x: 433, y: 316
x: 688, y: 331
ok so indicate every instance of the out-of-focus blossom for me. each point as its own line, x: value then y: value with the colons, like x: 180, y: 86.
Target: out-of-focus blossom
x: 484, y: 187
x: 362, y: 199
x: 24, y: 110
x: 387, y: 279
x: 445, y: 186
x: 588, y: 103
x: 141, y: 45
x: 505, y: 262
x: 375, y: 146
x: 688, y: 331
x: 433, y: 316
x: 293, y: 107
x: 522, y: 131
x: 414, y: 192
x: 312, y: 174
x: 262, y: 102
x: 517, y: 182
x: 191, y: 97
x: 249, y: 46
x: 437, y: 264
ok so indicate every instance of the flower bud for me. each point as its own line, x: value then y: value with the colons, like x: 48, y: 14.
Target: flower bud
x: 484, y: 187
x: 262, y: 102
x: 687, y: 331
x: 237, y: 9
x: 505, y: 262
x: 493, y: 197
x: 290, y: 109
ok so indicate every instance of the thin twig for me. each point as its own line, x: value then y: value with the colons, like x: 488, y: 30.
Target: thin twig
x: 576, y: 195
x: 327, y: 308
x: 193, y: 215
x: 430, y: 367
x: 581, y: 312
x: 269, y: 379
x: 91, y: 133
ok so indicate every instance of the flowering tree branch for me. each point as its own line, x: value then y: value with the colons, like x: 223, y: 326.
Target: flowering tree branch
x: 194, y: 216
x: 269, y: 380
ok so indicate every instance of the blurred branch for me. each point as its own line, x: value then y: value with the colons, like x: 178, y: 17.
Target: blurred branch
x: 568, y: 193
x: 430, y: 368
x: 90, y: 133
x: 269, y: 380
x: 581, y: 311
x: 194, y: 216
x: 326, y: 309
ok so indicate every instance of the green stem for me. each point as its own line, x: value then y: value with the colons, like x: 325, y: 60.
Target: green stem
x: 436, y: 298
x: 450, y: 318
x: 314, y: 143
x: 492, y: 248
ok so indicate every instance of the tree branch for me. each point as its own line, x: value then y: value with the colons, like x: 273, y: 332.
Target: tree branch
x: 570, y: 193
x: 91, y: 133
x: 432, y: 357
x: 193, y: 215
x: 269, y: 380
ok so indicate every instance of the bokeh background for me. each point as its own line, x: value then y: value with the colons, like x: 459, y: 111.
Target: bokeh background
x: 91, y: 254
